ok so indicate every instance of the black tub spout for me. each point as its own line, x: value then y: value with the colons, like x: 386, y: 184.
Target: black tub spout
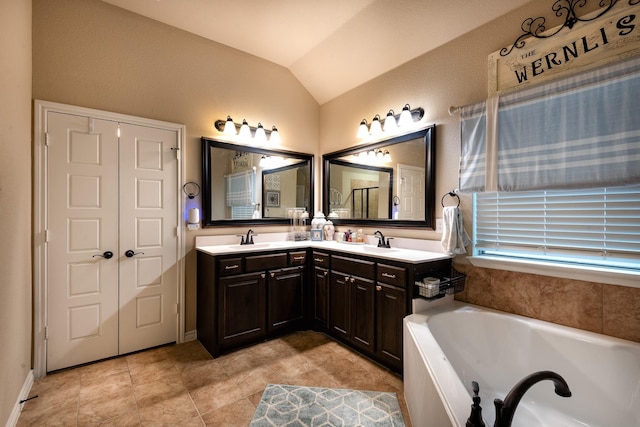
x: 505, y: 409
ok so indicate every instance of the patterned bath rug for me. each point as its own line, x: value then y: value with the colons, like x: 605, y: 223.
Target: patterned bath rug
x: 295, y: 406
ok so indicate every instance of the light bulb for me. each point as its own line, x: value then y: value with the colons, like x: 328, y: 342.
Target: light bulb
x: 275, y: 135
x: 379, y: 155
x: 405, y: 116
x: 376, y: 127
x: 261, y: 135
x: 229, y: 127
x: 363, y: 130
x: 390, y: 122
x: 387, y: 156
x: 245, y: 132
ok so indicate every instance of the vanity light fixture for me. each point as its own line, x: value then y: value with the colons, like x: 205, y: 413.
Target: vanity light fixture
x: 229, y: 127
x: 405, y: 116
x: 363, y: 130
x: 243, y: 131
x: 275, y: 135
x: 260, y: 134
x: 372, y: 156
x: 375, y: 128
x: 391, y: 123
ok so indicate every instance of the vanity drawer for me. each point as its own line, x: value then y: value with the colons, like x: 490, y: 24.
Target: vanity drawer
x: 297, y: 258
x: 392, y: 275
x: 321, y: 259
x: 265, y: 262
x: 354, y: 267
x: 229, y: 266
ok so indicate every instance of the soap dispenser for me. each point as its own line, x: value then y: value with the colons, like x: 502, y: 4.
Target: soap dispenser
x: 475, y: 419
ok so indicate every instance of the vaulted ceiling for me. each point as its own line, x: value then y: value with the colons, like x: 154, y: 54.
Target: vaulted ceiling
x: 330, y: 46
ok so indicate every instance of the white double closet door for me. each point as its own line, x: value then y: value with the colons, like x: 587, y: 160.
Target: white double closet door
x: 111, y: 238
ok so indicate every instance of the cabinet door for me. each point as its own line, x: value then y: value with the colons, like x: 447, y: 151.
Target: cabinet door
x: 320, y: 303
x: 362, y: 313
x: 286, y: 303
x: 241, y: 312
x: 390, y: 310
x: 339, y: 306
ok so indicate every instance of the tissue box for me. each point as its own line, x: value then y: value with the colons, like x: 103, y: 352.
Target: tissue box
x: 316, y: 234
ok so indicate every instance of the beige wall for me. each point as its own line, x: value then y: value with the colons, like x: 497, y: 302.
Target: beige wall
x: 92, y: 54
x: 15, y: 201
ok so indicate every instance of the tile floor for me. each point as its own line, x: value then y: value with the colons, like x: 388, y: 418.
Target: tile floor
x: 183, y: 385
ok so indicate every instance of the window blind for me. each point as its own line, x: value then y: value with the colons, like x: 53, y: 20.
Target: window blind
x: 580, y: 131
x: 599, y: 227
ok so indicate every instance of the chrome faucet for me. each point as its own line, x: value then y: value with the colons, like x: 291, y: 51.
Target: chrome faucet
x: 249, y: 238
x: 505, y: 409
x: 382, y: 242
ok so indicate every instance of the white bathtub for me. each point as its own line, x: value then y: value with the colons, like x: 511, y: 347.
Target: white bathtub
x: 449, y: 346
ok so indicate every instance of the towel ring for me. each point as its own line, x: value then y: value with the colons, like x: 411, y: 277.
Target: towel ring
x: 451, y: 194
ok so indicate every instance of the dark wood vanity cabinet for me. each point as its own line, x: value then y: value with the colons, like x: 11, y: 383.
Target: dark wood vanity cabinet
x: 319, y: 304
x: 246, y: 299
x: 391, y: 307
x: 360, y: 300
x: 352, y: 297
x: 241, y: 313
x: 286, y: 299
x: 368, y: 300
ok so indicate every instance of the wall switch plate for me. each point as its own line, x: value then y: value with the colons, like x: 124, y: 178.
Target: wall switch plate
x: 438, y: 225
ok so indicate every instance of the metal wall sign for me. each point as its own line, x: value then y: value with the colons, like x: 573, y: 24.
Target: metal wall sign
x: 603, y: 36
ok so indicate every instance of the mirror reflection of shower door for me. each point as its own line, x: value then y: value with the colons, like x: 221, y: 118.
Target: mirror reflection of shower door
x: 364, y: 199
x: 411, y: 187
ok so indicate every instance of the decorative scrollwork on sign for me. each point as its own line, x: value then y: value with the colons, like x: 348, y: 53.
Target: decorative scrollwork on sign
x: 536, y: 27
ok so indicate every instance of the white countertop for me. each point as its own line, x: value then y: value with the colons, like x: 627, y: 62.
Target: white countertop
x: 217, y: 245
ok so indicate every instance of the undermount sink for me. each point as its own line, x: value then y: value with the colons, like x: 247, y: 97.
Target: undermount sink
x: 256, y: 245
x: 379, y: 250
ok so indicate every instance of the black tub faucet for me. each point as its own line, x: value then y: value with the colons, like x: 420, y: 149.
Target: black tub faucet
x: 505, y: 409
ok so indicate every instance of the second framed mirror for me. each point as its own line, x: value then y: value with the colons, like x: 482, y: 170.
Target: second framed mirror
x: 387, y: 183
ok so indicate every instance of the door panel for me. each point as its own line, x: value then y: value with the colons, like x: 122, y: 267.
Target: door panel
x: 148, y: 221
x: 411, y: 190
x: 107, y: 193
x: 82, y: 303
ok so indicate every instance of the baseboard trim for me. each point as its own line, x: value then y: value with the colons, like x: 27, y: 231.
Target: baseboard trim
x: 190, y: 335
x: 24, y: 393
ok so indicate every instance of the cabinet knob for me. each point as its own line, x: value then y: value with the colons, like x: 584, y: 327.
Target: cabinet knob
x: 263, y: 275
x: 353, y: 280
x: 326, y: 272
x: 273, y: 274
x: 378, y: 288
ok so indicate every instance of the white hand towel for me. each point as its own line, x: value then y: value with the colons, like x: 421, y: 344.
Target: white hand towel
x: 454, y: 236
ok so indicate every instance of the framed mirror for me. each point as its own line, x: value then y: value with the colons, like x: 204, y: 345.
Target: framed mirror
x: 243, y: 185
x: 388, y: 183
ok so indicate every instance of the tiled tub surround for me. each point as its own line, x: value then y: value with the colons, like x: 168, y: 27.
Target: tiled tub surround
x: 596, y: 307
